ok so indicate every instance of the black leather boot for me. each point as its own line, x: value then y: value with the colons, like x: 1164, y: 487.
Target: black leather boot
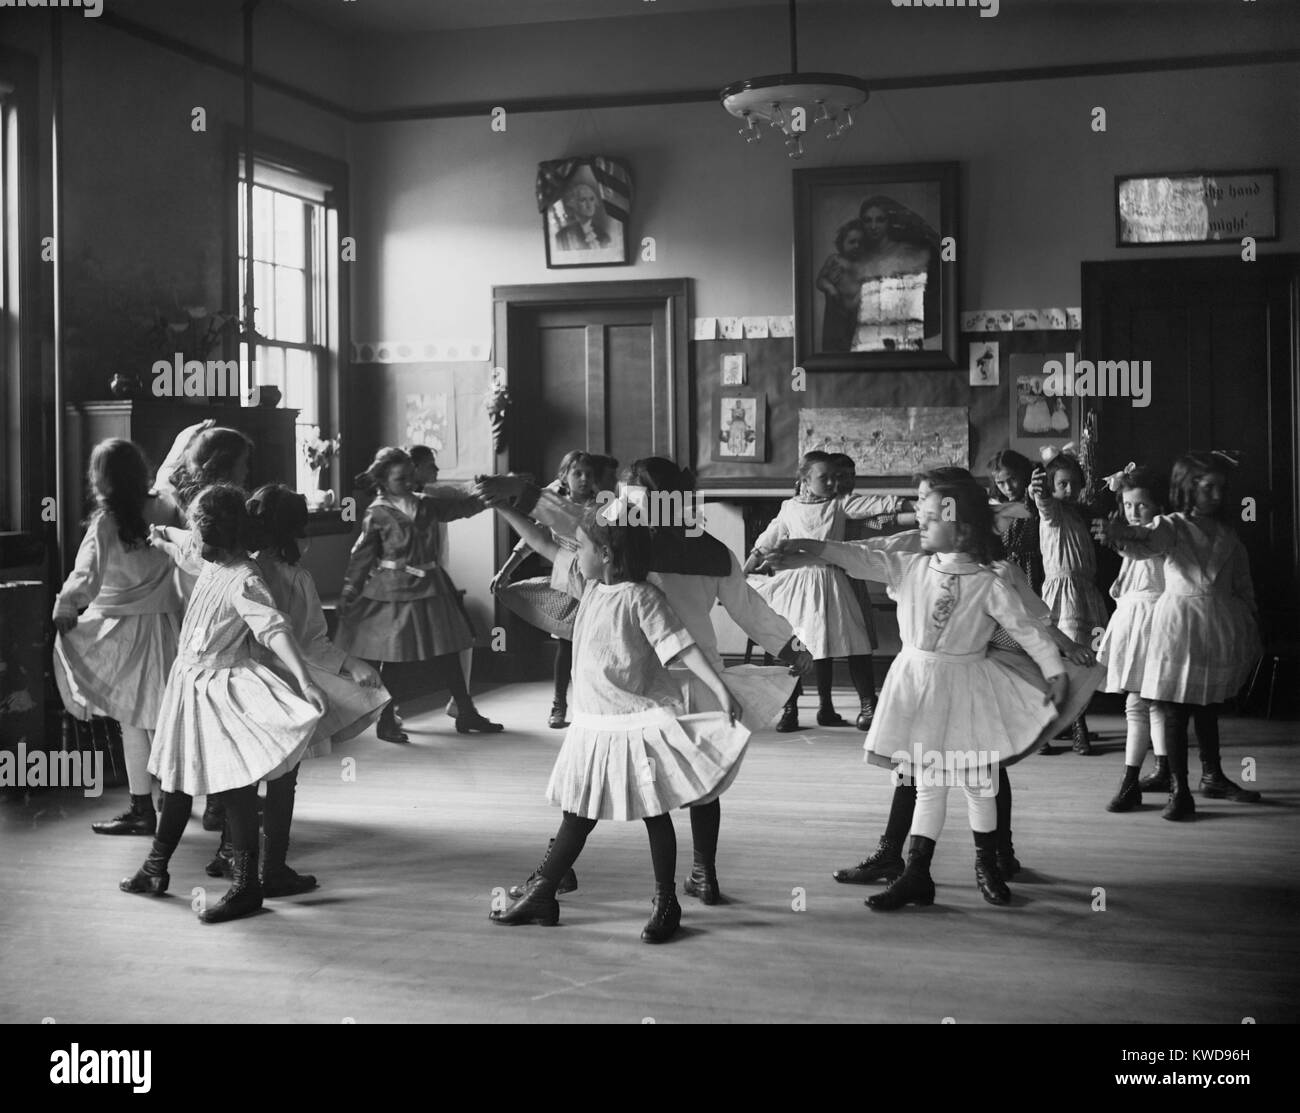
x: 388, y: 729
x: 278, y: 878
x: 987, y: 875
x: 559, y: 716
x: 222, y: 864
x: 1214, y: 785
x: 883, y: 864
x: 139, y: 819
x: 1079, y: 733
x: 789, y: 721
x: 244, y: 897
x: 152, y: 877
x: 1129, y: 795
x: 471, y: 720
x: 703, y: 883
x: 914, y: 885
x: 1159, y: 779
x: 1181, y: 806
x: 536, y: 905
x: 214, y: 815
x: 827, y: 716
x: 866, y: 713
x: 567, y: 884
x: 665, y: 916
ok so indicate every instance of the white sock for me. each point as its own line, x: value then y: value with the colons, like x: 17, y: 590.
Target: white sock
x: 136, y: 744
x: 1140, y: 716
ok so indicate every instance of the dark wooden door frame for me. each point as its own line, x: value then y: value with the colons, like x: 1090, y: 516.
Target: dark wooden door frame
x: 511, y: 303
x: 508, y: 302
x: 1280, y: 426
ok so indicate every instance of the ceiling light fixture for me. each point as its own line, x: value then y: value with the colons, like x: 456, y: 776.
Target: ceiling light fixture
x: 795, y: 102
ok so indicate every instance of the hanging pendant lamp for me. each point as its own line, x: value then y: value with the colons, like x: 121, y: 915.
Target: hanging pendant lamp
x: 795, y: 103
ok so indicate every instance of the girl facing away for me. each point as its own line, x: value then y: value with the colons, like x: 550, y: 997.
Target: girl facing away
x: 227, y: 721
x: 631, y: 752
x: 114, y: 659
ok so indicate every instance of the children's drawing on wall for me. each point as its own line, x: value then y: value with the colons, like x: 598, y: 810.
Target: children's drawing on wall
x: 890, y: 442
x: 740, y: 421
x: 984, y: 363
x: 431, y: 420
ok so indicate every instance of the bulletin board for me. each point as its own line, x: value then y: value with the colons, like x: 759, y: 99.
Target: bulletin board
x: 768, y: 367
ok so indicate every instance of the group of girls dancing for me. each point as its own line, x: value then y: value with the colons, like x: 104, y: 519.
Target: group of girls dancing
x: 189, y: 620
x: 205, y: 638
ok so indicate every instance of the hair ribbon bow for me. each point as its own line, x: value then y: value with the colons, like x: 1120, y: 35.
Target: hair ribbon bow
x: 1049, y: 453
x: 1113, y: 481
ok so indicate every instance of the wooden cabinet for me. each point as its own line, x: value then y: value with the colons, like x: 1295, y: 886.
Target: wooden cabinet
x: 153, y: 425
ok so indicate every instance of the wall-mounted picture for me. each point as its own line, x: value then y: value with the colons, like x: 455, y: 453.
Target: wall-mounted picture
x: 733, y: 369
x: 984, y: 363
x: 1038, y: 418
x: 871, y: 289
x: 431, y: 420
x: 586, y: 204
x: 890, y: 442
x: 741, y: 423
x: 1195, y: 207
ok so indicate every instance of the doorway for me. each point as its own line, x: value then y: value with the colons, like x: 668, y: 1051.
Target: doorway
x: 597, y: 366
x: 1223, y: 338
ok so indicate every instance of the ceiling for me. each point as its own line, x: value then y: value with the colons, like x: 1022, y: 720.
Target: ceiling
x: 408, y: 16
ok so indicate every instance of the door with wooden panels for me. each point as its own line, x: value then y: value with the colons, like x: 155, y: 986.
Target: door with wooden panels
x: 593, y: 366
x: 1221, y: 335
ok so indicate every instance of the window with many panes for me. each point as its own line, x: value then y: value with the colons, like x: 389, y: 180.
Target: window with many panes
x: 296, y: 299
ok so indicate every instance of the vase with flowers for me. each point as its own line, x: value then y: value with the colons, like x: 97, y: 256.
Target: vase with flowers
x: 320, y: 454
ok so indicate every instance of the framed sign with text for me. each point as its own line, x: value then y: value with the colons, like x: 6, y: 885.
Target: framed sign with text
x: 1196, y: 207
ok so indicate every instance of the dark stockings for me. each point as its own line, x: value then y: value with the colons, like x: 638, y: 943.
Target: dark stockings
x: 572, y: 837
x: 446, y: 667
x: 1177, y: 716
x: 241, y: 817
x: 864, y: 681
x: 175, y: 814
x: 563, y: 670
x: 706, y: 821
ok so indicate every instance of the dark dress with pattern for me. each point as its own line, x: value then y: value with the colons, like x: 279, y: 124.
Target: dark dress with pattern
x: 405, y: 607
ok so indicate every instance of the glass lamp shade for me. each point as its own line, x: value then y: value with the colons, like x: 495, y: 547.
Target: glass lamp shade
x: 795, y: 103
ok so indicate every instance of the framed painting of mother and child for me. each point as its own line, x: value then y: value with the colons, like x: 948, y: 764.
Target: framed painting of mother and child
x: 875, y: 271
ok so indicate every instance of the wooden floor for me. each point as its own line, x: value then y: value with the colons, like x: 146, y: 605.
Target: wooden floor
x: 1199, y: 923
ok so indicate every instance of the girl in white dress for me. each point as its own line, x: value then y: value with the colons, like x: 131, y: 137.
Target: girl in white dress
x: 1126, y: 644
x: 631, y: 751
x: 1069, y: 561
x: 818, y: 601
x: 202, y: 455
x: 1204, y: 632
x: 353, y: 688
x: 695, y: 572
x: 1083, y: 676
x: 947, y: 713
x: 115, y: 658
x: 226, y: 720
